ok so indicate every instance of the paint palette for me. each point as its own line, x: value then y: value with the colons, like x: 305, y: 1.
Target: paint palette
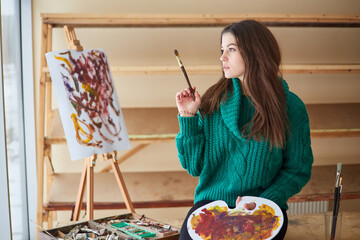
x: 216, y: 220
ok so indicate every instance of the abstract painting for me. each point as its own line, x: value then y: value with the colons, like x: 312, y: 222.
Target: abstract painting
x: 88, y: 103
x: 216, y: 220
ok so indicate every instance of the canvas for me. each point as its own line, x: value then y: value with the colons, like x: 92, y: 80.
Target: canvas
x: 88, y: 103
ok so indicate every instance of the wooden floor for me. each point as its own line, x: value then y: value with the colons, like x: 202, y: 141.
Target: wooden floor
x: 312, y: 226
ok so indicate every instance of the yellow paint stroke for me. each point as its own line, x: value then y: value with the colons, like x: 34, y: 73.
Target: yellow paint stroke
x: 65, y: 61
x: 79, y: 128
x: 96, y: 53
x: 87, y: 88
x: 264, y: 208
x: 81, y: 132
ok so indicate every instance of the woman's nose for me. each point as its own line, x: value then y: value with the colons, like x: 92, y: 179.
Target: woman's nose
x: 223, y: 57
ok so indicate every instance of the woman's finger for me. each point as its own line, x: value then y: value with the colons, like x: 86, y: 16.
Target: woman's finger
x: 238, y: 200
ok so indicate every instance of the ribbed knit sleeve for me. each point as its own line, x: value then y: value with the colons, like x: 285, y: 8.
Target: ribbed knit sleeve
x: 190, y: 143
x: 297, y: 157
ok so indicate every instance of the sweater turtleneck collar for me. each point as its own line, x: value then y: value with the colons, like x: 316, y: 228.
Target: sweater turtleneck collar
x: 230, y: 107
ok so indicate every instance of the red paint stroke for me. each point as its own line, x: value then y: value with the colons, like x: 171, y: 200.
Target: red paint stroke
x: 89, y: 89
x: 217, y: 223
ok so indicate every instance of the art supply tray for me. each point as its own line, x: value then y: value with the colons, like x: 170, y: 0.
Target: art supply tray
x: 120, y: 227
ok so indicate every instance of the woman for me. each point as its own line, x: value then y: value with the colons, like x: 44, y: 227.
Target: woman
x: 252, y: 137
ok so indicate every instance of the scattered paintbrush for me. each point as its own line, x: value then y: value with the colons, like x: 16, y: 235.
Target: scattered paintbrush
x: 49, y: 234
x: 184, y: 73
x: 337, y: 197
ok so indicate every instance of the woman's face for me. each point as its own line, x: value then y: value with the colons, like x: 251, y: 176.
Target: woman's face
x: 232, y: 61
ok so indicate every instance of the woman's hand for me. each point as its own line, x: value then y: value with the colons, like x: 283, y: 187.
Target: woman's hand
x: 186, y: 105
x: 248, y: 206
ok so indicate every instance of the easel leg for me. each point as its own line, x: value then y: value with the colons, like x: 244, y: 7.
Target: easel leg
x: 80, y: 194
x: 50, y: 220
x: 40, y: 131
x: 90, y: 189
x: 121, y: 183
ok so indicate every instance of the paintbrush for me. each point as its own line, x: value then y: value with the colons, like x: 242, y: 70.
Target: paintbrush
x: 337, y: 196
x: 184, y: 73
x: 49, y: 234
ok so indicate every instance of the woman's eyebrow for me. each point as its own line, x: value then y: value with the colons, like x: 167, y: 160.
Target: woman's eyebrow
x: 230, y: 44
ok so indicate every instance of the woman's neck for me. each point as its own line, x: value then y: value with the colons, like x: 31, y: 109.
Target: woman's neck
x: 242, y: 85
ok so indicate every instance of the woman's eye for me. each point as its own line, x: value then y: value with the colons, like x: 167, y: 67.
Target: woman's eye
x: 232, y: 49
x: 222, y: 51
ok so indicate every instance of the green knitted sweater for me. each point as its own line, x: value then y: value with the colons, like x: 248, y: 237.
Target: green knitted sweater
x: 228, y: 165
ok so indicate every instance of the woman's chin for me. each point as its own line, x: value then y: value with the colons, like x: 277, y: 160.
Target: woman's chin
x: 228, y: 75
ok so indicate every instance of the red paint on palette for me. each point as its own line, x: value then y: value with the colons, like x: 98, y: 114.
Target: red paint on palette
x: 216, y: 221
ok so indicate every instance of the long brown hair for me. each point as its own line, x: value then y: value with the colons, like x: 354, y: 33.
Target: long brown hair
x: 262, y: 58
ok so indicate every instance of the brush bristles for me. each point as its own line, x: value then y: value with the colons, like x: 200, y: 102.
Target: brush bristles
x: 176, y: 52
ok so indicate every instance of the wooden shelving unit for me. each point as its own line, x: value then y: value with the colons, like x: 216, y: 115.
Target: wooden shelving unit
x: 342, y: 120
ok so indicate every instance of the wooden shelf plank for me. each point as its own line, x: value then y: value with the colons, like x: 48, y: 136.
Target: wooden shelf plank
x: 335, y: 133
x: 322, y: 183
x: 148, y: 125
x: 147, y: 189
x: 216, y: 69
x: 321, y: 133
x: 176, y: 188
x: 334, y: 117
x: 197, y: 20
x: 320, y: 68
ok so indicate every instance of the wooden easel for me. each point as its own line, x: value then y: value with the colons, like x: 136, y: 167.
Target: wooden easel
x: 87, y: 176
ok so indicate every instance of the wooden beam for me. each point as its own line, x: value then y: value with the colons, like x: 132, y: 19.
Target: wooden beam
x: 90, y: 187
x: 126, y: 156
x: 216, y: 69
x: 323, y: 197
x: 80, y: 193
x: 197, y: 20
x: 40, y: 131
x: 72, y: 41
x: 315, y: 133
x: 332, y: 133
x: 136, y: 138
x: 63, y: 206
x: 122, y: 186
x: 320, y: 68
